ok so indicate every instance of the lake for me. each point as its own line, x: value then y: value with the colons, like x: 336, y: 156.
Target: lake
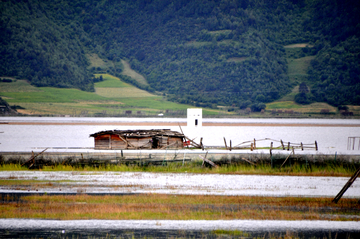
x: 26, y: 134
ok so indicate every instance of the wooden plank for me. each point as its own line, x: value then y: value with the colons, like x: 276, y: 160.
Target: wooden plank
x: 208, y: 161
x: 127, y: 142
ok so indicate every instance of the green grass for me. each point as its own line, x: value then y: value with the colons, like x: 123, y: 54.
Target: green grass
x: 297, y: 68
x: 291, y: 168
x: 112, y: 96
x: 110, y: 81
x: 133, y: 74
x: 96, y: 61
x: 53, y: 95
x: 18, y: 86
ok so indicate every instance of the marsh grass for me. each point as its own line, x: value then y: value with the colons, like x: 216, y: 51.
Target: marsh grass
x: 294, y: 167
x: 176, y: 207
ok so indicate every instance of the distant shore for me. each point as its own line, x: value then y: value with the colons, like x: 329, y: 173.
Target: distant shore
x: 184, y: 124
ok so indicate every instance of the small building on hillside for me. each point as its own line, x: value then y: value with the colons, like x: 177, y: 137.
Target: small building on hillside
x: 194, y: 117
x: 138, y: 139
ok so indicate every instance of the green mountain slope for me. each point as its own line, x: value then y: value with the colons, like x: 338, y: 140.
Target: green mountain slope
x: 200, y: 52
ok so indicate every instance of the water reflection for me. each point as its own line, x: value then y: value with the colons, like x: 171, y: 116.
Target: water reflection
x: 23, y: 228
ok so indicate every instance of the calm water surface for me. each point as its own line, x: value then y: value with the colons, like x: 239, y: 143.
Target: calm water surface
x: 331, y: 139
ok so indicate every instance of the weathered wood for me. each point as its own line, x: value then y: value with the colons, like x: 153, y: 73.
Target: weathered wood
x: 302, y: 146
x: 225, y: 143
x: 127, y: 142
x: 254, y: 144
x: 282, y: 144
x: 316, y: 146
x: 346, y: 186
x: 208, y: 161
x: 288, y: 148
x: 248, y: 161
x: 202, y: 165
x: 271, y: 147
x: 169, y: 146
x: 33, y: 158
x: 136, y: 139
x: 286, y: 159
x: 193, y: 142
x: 230, y: 145
x: 201, y: 144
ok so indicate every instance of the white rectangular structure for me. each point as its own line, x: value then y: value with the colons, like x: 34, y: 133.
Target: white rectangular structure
x: 194, y: 117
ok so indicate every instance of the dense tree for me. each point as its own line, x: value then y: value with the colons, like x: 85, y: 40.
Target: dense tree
x: 201, y: 52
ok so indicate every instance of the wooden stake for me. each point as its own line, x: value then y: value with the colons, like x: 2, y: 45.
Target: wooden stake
x: 230, y: 145
x: 254, y: 143
x: 271, y: 146
x: 225, y: 143
x: 282, y: 144
x: 316, y: 146
x: 33, y: 158
x: 302, y: 146
x: 286, y: 160
x: 203, y: 158
x: 347, y: 185
x: 288, y: 146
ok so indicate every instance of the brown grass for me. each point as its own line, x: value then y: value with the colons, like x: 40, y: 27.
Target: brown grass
x: 178, y: 207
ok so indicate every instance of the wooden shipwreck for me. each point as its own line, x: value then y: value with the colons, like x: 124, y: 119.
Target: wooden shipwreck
x: 139, y: 139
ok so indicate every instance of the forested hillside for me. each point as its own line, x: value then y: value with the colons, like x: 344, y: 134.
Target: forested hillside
x: 200, y: 52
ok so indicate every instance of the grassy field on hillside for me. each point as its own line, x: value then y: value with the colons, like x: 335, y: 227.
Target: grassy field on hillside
x: 112, y: 97
x: 133, y: 74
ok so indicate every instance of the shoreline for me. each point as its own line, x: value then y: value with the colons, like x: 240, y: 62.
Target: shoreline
x: 207, y: 124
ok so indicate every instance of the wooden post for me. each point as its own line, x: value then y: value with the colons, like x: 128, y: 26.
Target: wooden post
x: 254, y: 143
x: 252, y: 147
x: 225, y: 143
x: 288, y: 146
x: 282, y: 144
x: 316, y: 146
x: 302, y: 146
x: 347, y: 185
x: 201, y: 144
x: 271, y: 146
x: 285, y: 160
x: 230, y: 145
x: 33, y: 158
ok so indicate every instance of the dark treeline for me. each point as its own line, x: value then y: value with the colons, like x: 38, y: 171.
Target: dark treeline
x: 200, y: 52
